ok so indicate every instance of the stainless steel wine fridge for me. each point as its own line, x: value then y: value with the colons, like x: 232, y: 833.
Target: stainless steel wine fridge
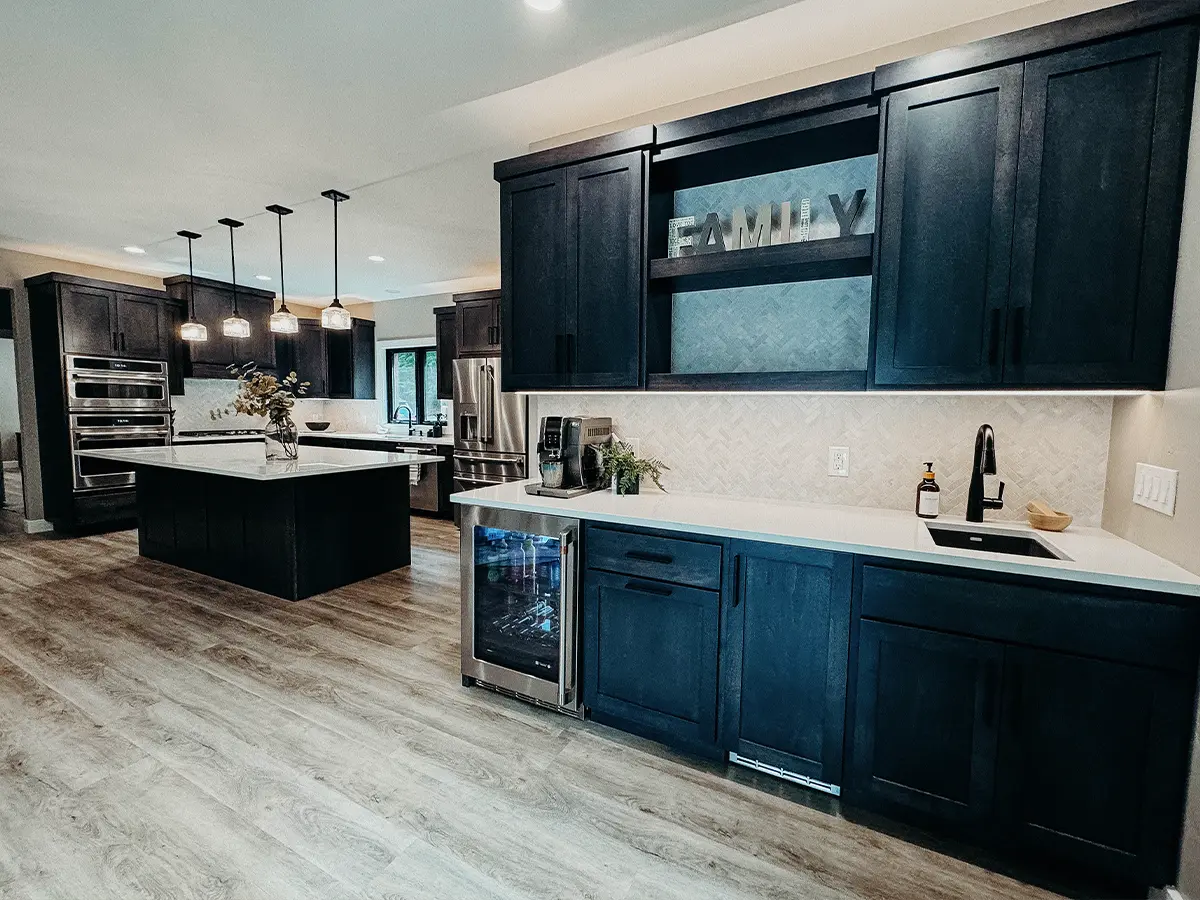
x: 520, y: 605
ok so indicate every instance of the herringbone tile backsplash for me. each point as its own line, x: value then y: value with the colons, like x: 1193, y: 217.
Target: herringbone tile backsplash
x: 778, y: 446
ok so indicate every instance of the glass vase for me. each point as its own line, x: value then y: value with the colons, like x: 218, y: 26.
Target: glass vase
x: 282, y: 438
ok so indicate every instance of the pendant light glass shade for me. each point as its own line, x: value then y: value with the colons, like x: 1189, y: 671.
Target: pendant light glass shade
x: 282, y: 320
x: 191, y: 330
x: 235, y: 326
x: 335, y: 317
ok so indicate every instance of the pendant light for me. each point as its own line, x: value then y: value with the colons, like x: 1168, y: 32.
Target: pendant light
x: 191, y: 330
x: 235, y: 326
x: 282, y: 321
x: 335, y: 316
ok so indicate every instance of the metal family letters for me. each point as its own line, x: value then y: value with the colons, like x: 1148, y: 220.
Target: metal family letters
x: 689, y: 237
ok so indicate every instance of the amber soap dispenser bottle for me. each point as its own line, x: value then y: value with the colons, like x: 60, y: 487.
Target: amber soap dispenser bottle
x: 929, y: 495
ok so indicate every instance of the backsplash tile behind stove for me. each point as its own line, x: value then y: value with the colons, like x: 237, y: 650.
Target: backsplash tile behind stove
x: 201, y: 395
x: 778, y: 446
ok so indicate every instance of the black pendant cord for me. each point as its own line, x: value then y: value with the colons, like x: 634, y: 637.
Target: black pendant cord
x: 191, y: 283
x: 233, y: 268
x: 282, y: 290
x: 335, y: 254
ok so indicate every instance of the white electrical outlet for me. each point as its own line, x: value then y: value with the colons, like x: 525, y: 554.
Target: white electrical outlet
x: 1154, y: 488
x: 839, y: 462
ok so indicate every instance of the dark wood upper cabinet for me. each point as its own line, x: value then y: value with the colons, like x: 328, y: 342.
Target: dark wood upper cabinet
x: 141, y: 327
x: 606, y: 269
x: 925, y: 725
x: 89, y: 321
x: 1104, y: 132
x: 477, y: 317
x: 784, y: 654
x: 572, y: 272
x: 445, y: 337
x: 304, y: 354
x: 945, y: 230
x: 350, y: 356
x: 214, y: 304
x: 1030, y: 219
x: 535, y: 318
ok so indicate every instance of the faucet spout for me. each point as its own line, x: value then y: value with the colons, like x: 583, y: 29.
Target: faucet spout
x: 984, y: 463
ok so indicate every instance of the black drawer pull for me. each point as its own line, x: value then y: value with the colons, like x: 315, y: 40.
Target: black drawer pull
x: 643, y: 588
x: 642, y: 556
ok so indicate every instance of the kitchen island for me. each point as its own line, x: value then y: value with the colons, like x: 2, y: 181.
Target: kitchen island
x: 290, y: 528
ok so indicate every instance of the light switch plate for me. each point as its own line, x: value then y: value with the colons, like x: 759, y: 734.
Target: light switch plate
x: 839, y: 462
x: 1154, y: 488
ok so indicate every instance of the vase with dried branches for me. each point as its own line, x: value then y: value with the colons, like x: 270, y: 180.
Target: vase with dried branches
x: 266, y: 396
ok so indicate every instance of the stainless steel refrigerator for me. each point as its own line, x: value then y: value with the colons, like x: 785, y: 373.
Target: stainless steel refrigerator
x: 489, y: 427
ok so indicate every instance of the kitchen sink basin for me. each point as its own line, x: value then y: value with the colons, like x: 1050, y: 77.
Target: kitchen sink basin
x: 989, y: 541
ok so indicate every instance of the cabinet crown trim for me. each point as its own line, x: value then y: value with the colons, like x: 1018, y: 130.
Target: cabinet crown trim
x: 581, y: 151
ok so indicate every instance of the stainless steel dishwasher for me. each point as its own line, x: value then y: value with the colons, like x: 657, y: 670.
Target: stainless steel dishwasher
x: 424, y: 494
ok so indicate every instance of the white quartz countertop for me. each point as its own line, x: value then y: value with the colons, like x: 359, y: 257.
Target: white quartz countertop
x: 242, y: 460
x: 446, y: 440
x: 1095, y: 556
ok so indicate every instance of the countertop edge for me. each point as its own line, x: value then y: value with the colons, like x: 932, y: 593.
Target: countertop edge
x: 990, y: 563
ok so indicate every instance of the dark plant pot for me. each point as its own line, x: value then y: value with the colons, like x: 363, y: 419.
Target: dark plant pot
x: 634, y: 488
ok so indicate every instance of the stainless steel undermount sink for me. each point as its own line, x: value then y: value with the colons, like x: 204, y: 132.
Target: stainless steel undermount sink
x: 993, y: 541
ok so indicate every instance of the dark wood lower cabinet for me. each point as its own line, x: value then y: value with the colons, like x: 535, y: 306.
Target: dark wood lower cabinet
x: 1093, y: 756
x: 925, y: 722
x: 783, y: 658
x: 650, y: 658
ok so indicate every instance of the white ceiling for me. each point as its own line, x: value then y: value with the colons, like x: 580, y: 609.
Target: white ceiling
x: 123, y: 121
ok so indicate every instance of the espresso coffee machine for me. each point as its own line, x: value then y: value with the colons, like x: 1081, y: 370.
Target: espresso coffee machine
x: 569, y: 455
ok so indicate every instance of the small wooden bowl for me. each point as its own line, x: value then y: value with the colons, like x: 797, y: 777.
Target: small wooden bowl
x: 1056, y: 522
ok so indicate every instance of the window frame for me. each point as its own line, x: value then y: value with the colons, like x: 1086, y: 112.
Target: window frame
x: 420, y: 414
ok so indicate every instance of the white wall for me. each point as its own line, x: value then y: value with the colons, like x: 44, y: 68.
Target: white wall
x: 411, y: 317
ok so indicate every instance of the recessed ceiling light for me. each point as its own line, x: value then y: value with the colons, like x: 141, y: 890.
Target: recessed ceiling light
x: 263, y: 277
x: 544, y: 5
x: 137, y: 251
x: 375, y: 258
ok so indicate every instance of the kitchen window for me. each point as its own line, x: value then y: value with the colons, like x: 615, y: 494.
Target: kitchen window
x: 412, y: 383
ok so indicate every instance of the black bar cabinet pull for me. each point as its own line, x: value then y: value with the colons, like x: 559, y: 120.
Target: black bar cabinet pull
x: 642, y: 588
x: 990, y: 678
x: 114, y: 340
x: 645, y: 556
x: 994, y: 338
x: 122, y: 340
x: 1018, y: 334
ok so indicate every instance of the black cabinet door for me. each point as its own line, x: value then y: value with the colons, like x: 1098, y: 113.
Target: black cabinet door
x: 1093, y: 761
x: 925, y: 723
x: 445, y: 337
x: 650, y: 657
x: 949, y: 171
x: 478, y: 325
x: 1104, y: 136
x: 141, y: 331
x: 304, y: 354
x: 259, y: 348
x: 362, y: 341
x: 89, y: 321
x: 605, y: 269
x: 784, y: 651
x: 213, y: 355
x: 174, y: 314
x: 537, y: 324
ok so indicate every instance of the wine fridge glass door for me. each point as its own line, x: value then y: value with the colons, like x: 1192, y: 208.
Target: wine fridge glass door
x: 518, y: 600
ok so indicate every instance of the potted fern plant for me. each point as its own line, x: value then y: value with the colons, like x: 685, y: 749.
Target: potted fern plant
x: 626, y: 469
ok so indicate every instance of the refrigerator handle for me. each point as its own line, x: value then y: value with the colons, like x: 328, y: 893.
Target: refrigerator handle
x: 487, y: 402
x: 566, y: 642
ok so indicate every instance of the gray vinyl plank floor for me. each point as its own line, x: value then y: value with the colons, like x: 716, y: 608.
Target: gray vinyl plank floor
x: 165, y: 735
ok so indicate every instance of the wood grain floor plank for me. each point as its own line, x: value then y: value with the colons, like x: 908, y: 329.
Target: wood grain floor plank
x: 163, y: 734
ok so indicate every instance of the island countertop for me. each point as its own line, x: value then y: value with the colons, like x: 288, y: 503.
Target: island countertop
x: 1094, y: 556
x: 247, y: 460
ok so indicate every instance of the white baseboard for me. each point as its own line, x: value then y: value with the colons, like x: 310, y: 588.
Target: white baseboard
x: 37, y: 526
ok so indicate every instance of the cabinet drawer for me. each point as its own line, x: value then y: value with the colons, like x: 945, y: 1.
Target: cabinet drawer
x: 649, y: 556
x: 1124, y: 629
